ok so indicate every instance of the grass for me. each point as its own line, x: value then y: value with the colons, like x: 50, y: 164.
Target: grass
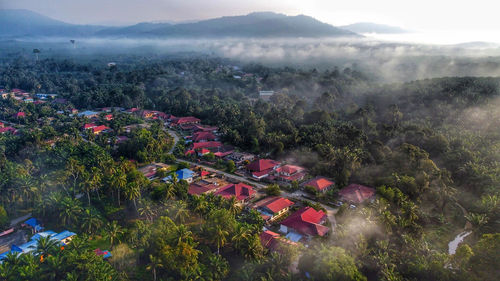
x: 100, y: 242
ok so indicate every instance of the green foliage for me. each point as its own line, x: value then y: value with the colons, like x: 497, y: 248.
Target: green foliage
x: 4, y: 218
x: 273, y: 190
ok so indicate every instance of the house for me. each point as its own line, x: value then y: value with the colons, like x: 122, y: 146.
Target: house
x: 1, y: 125
x: 184, y: 174
x: 108, y: 117
x: 321, y: 184
x: 240, y: 191
x: 240, y: 157
x: 100, y: 129
x: 88, y: 114
x: 7, y: 130
x: 266, y: 95
x: 201, y: 128
x: 121, y: 139
x: 89, y: 126
x: 28, y: 100
x: 185, y: 120
x: 262, y: 168
x: 356, y: 193
x: 208, y: 144
x: 304, y: 224
x: 149, y: 171
x: 20, y: 114
x: 222, y: 154
x: 289, y: 173
x: 198, y: 189
x: 132, y: 110
x: 273, y: 207
x: 273, y: 241
x: 203, y: 151
x: 203, y: 136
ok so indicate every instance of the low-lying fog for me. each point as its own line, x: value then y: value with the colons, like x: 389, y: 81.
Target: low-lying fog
x: 382, y: 60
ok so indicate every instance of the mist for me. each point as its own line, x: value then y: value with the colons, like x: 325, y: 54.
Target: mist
x: 383, y: 61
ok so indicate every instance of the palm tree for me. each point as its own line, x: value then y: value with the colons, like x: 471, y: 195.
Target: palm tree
x: 55, y: 267
x: 233, y: 205
x: 46, y: 246
x: 119, y: 181
x: 132, y: 192
x: 69, y: 210
x: 91, y: 220
x: 170, y: 191
x: 154, y: 263
x: 219, y: 267
x: 180, y: 211
x: 147, y: 211
x: 220, y: 237
x: 477, y: 220
x: 199, y: 204
x: 184, y: 235
x: 241, y: 235
x: 113, y: 231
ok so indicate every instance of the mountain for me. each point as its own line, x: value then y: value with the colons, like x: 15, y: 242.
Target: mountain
x: 368, y: 27
x: 264, y: 24
x: 19, y: 23
x: 25, y: 23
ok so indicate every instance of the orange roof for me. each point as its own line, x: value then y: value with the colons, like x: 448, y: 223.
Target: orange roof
x: 356, y: 193
x: 320, y: 183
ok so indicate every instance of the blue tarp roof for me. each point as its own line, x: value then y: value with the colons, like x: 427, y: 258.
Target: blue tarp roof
x: 32, y: 222
x: 43, y: 234
x: 293, y: 236
x: 87, y: 113
x: 15, y: 248
x: 63, y: 235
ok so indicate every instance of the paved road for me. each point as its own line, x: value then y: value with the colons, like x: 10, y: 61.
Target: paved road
x: 19, y: 219
x: 176, y: 139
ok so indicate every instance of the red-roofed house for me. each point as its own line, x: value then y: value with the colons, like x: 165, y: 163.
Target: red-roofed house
x: 108, y: 117
x: 89, y: 126
x: 132, y: 110
x: 1, y: 125
x: 208, y: 144
x: 7, y: 130
x: 203, y: 137
x: 356, y: 193
x: 20, y: 114
x: 306, y: 221
x: 240, y: 190
x: 203, y: 151
x: 262, y: 168
x: 321, y: 184
x: 185, y: 120
x: 289, y: 173
x: 198, y: 189
x: 273, y: 242
x: 273, y: 207
x: 200, y: 128
x: 99, y: 129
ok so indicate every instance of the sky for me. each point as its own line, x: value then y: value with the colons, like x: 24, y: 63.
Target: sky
x: 449, y: 18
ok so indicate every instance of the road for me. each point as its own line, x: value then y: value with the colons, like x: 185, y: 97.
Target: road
x: 19, y: 219
x: 176, y: 139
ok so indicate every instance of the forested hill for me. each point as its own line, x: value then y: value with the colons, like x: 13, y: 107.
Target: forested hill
x: 25, y: 23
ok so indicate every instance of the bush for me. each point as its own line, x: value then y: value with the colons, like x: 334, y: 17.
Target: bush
x: 4, y: 219
x: 311, y: 190
x: 273, y: 190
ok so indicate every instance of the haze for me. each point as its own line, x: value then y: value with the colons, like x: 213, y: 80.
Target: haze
x: 440, y: 22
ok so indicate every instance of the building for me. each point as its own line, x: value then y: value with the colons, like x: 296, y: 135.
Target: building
x: 208, y: 144
x: 1, y: 125
x: 88, y: 114
x: 200, y: 188
x: 266, y: 95
x: 273, y: 242
x: 100, y: 129
x: 185, y: 120
x: 240, y: 191
x: 356, y: 193
x: 203, y: 136
x: 272, y: 208
x: 184, y: 174
x: 87, y: 126
x: 321, y: 184
x: 262, y: 168
x: 240, y: 157
x: 149, y: 171
x: 304, y: 224
x: 4, y: 130
x: 289, y: 173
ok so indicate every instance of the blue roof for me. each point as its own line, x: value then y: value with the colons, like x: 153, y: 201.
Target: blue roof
x: 43, y: 234
x: 63, y: 235
x: 28, y: 247
x: 184, y: 174
x: 293, y: 236
x: 87, y: 113
x: 32, y: 222
x: 15, y: 248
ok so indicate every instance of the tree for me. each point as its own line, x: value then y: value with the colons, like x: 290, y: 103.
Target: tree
x: 91, y: 220
x: 153, y: 264
x: 273, y: 190
x: 4, y: 219
x: 46, y: 246
x: 330, y: 263
x: 217, y: 268
x: 230, y: 166
x: 113, y: 231
x: 69, y: 210
x: 220, y: 237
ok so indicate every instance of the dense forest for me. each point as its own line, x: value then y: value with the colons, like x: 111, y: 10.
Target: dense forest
x: 430, y: 147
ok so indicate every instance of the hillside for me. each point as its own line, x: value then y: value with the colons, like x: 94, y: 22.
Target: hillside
x: 368, y: 27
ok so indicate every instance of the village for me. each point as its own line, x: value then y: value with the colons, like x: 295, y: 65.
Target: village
x: 290, y: 201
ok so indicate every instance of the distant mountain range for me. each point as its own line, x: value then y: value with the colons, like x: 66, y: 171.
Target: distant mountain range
x: 25, y: 23
x: 369, y: 27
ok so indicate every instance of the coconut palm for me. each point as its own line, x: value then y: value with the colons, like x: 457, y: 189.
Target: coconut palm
x: 69, y: 210
x: 218, y: 267
x: 220, y: 237
x: 154, y: 263
x: 118, y: 182
x: 91, y: 220
x: 180, y: 212
x: 113, y: 231
x: 46, y: 246
x: 241, y: 235
x: 233, y: 205
x: 147, y: 211
x: 132, y: 191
